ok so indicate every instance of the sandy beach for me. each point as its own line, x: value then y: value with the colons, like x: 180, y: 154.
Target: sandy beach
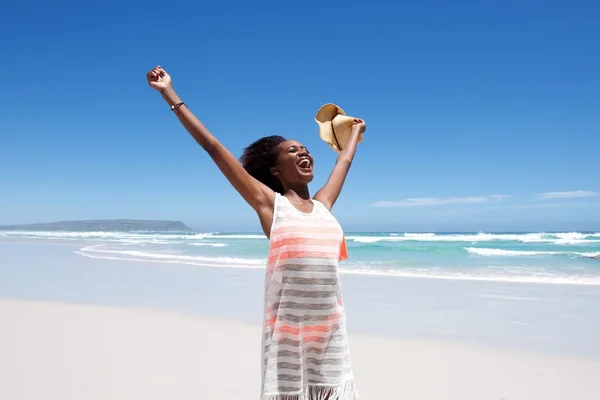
x: 80, y: 328
x: 61, y: 351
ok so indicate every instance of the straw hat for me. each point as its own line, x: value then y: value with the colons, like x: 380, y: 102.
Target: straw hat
x: 335, y: 126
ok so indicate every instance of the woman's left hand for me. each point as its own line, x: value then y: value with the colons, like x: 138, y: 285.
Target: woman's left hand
x: 159, y: 79
x: 359, y: 126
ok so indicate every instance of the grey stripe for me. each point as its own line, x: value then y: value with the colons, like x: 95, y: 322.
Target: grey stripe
x: 297, y: 363
x: 285, y: 353
x: 312, y: 300
x: 305, y: 306
x: 289, y: 378
x: 290, y: 366
x: 324, y: 373
x: 289, y: 389
x: 298, y: 343
x: 332, y: 350
x: 307, y: 293
x: 312, y: 376
x: 326, y: 361
x: 309, y: 268
x: 309, y: 281
x: 303, y: 318
x: 303, y: 352
x: 331, y: 311
x: 337, y: 346
x: 304, y: 358
x: 309, y: 274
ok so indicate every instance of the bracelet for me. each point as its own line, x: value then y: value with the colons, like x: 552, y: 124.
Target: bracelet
x: 176, y: 106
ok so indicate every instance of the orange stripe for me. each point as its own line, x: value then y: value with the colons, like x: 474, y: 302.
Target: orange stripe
x: 297, y: 331
x: 343, y: 250
x: 271, y: 321
x: 319, y: 328
x: 295, y: 241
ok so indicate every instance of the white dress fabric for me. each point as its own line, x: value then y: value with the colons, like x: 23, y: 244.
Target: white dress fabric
x: 305, y: 351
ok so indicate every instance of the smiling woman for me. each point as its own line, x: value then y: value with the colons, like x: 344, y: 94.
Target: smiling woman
x: 274, y: 160
x: 305, y: 353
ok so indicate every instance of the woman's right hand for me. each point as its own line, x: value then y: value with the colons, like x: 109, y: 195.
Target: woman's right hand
x: 159, y: 79
x: 359, y: 126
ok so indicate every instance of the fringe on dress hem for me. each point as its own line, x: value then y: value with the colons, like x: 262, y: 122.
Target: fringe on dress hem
x: 344, y: 391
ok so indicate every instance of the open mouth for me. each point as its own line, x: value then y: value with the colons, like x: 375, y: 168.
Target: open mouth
x: 305, y: 164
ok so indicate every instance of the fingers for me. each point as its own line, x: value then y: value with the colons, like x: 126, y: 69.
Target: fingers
x: 152, y: 75
x: 359, y: 125
x: 156, y: 73
x: 161, y: 72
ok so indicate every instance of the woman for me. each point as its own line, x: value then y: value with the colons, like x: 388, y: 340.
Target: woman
x: 305, y: 349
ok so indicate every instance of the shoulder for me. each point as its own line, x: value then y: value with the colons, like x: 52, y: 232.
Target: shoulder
x: 320, y: 203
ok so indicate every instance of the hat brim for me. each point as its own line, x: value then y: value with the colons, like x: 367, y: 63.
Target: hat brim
x: 335, y: 127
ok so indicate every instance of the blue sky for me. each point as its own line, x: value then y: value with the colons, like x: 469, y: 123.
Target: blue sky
x: 481, y: 115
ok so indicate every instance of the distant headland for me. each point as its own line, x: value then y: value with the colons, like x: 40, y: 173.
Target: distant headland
x: 105, y: 225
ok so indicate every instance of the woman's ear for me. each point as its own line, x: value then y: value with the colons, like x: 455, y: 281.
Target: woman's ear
x: 274, y: 171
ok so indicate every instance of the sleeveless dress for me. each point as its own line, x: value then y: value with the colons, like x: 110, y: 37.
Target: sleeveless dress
x: 305, y: 351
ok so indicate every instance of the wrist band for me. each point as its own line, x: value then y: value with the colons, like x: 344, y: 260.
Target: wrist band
x: 176, y: 106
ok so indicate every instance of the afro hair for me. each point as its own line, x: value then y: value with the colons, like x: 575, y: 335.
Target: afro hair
x: 258, y: 159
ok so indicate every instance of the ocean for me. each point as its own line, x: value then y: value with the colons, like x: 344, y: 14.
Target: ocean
x: 551, y: 258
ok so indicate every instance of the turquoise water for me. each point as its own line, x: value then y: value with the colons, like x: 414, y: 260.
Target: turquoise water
x: 556, y: 258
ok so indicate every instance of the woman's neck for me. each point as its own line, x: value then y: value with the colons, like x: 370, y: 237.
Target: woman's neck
x: 297, y: 193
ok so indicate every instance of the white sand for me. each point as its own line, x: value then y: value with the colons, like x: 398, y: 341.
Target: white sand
x: 52, y: 351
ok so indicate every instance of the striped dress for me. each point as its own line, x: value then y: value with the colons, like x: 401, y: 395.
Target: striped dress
x: 305, y: 346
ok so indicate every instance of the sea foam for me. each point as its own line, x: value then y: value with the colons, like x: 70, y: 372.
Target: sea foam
x: 559, y: 258
x: 524, y: 253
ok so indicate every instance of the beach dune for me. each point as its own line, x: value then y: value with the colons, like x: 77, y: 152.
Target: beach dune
x: 65, y: 351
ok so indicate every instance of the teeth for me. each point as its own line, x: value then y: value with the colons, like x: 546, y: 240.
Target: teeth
x: 304, y: 163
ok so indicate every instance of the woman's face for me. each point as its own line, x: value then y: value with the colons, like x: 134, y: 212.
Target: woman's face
x: 294, y: 164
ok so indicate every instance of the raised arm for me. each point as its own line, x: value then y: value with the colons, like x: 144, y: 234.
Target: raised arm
x: 259, y: 196
x: 329, y: 193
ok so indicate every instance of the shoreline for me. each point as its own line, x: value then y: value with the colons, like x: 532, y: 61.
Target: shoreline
x: 552, y: 319
x: 90, y: 352
x: 79, y: 246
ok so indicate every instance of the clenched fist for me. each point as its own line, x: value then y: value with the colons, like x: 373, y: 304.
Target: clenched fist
x: 158, y: 78
x: 359, y: 125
